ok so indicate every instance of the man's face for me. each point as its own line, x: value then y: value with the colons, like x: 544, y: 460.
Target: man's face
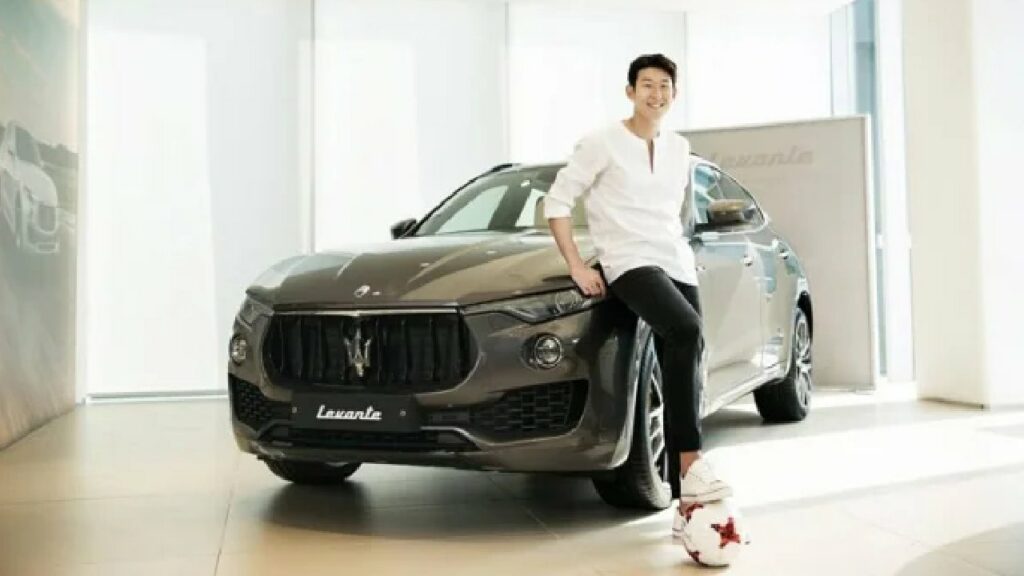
x: 653, y: 94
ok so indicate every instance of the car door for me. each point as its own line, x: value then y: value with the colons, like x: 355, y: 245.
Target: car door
x: 729, y: 290
x: 776, y: 276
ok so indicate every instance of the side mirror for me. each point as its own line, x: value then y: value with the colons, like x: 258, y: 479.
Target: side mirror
x: 402, y: 228
x: 723, y: 213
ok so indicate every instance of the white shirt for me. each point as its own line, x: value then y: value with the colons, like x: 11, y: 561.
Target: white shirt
x: 633, y: 212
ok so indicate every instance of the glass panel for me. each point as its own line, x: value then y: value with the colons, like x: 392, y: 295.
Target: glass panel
x: 731, y: 190
x: 26, y: 146
x: 705, y: 191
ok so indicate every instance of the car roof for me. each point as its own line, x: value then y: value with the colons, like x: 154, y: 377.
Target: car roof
x: 554, y: 165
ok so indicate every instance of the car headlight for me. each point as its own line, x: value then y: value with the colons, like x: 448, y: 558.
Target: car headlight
x: 538, y: 308
x: 251, y: 310
x: 239, y: 349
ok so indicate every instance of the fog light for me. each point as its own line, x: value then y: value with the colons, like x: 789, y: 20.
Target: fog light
x: 239, y: 349
x: 547, y: 351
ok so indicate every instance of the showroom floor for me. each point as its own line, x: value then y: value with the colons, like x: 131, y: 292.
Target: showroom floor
x: 869, y: 484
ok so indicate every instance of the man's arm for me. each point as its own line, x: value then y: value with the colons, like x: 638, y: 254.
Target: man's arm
x: 586, y: 278
x: 587, y: 161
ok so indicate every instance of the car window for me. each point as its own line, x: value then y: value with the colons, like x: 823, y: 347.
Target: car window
x: 528, y: 215
x: 705, y: 191
x: 709, y: 185
x: 507, y: 201
x: 26, y: 147
x: 731, y: 190
x: 476, y: 214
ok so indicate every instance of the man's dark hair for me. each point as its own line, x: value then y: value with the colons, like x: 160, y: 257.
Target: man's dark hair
x: 659, y: 61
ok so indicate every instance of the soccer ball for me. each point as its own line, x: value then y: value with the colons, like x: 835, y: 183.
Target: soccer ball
x: 713, y: 532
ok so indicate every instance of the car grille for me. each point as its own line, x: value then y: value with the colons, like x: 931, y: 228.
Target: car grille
x: 252, y: 408
x: 404, y: 352
x: 535, y: 411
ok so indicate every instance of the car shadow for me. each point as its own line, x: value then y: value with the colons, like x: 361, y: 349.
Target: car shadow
x: 741, y: 424
x: 526, y: 505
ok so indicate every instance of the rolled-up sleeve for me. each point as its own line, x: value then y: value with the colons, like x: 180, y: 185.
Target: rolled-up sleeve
x: 586, y: 163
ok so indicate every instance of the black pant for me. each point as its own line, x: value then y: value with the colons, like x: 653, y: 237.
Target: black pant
x: 672, y: 309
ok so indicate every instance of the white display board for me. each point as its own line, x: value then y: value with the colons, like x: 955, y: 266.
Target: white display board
x: 813, y: 179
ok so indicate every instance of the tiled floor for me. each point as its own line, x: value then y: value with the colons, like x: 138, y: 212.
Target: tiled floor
x: 869, y: 484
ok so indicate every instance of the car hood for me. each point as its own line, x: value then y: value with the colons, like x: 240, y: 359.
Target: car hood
x: 420, y: 271
x: 38, y: 182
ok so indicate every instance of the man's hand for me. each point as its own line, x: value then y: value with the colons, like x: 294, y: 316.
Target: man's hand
x: 588, y: 280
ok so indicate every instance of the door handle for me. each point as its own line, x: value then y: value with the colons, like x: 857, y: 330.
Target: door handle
x: 779, y: 249
x: 748, y: 260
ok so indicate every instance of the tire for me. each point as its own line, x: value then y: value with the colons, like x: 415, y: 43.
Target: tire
x: 642, y: 480
x: 789, y: 399
x: 315, y: 473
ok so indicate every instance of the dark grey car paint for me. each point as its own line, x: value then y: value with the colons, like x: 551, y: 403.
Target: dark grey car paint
x: 751, y: 283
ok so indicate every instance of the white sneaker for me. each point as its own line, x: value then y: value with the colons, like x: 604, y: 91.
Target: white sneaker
x: 701, y: 484
x: 678, y: 521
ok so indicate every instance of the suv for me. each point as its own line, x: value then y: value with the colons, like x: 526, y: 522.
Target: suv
x: 464, y: 343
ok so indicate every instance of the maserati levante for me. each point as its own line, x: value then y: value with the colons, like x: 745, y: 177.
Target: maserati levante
x: 463, y: 342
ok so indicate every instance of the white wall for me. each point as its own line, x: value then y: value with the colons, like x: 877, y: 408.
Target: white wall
x: 202, y: 136
x: 196, y: 172
x: 999, y: 84
x: 943, y: 203
x: 409, y: 104
x: 964, y: 127
x: 568, y: 77
x: 758, y: 66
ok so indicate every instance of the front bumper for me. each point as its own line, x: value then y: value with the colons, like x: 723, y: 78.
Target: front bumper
x: 506, y: 415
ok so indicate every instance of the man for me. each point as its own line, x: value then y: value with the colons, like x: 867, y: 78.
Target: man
x: 633, y: 177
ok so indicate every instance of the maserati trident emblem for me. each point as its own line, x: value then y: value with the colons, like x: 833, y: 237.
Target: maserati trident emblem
x: 361, y: 291
x: 358, y: 352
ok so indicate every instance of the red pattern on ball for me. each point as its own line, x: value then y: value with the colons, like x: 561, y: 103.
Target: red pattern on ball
x: 727, y: 532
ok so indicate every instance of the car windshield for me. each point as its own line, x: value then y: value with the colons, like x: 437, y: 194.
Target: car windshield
x: 26, y: 147
x: 508, y: 201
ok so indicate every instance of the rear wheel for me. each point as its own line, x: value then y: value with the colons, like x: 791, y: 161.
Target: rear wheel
x: 301, y: 472
x: 642, y: 480
x: 789, y: 399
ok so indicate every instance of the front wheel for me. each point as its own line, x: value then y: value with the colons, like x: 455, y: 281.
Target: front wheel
x: 642, y: 480
x: 789, y: 399
x: 300, y: 472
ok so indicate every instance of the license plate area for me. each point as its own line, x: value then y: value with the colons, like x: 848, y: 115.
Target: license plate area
x: 364, y: 412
